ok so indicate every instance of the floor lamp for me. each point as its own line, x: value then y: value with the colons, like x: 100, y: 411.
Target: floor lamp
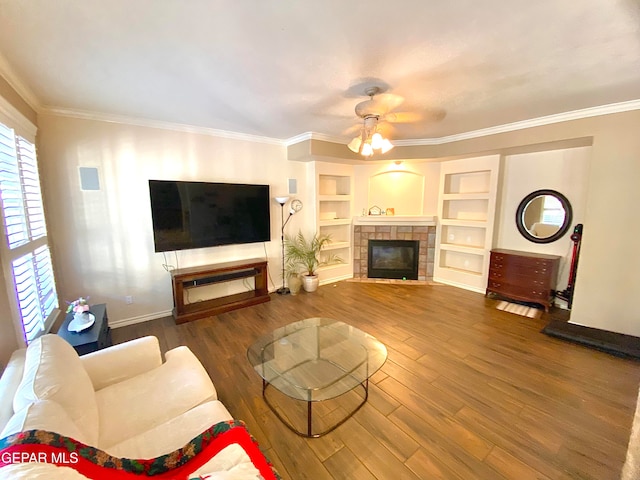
x: 282, y: 200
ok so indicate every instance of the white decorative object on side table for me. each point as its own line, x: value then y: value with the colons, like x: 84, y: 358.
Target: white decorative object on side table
x: 81, y: 321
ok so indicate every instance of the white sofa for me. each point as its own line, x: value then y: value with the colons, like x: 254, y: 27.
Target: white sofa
x: 123, y: 400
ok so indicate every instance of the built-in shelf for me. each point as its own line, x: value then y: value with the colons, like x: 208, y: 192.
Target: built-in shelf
x: 466, y: 207
x: 334, y: 198
x: 337, y: 245
x: 335, y: 266
x: 466, y: 196
x: 463, y: 223
x: 335, y: 221
x: 472, y: 249
x: 462, y: 270
x: 334, y: 214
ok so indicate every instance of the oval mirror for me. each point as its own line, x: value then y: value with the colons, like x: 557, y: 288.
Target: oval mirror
x: 544, y: 216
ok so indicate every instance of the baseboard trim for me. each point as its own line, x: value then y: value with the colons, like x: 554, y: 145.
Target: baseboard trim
x: 463, y: 286
x: 327, y: 281
x: 618, y: 344
x: 141, y: 319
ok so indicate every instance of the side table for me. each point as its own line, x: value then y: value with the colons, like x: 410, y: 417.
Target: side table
x: 94, y: 338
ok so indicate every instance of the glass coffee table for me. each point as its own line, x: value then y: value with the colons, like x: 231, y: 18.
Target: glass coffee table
x: 314, y: 360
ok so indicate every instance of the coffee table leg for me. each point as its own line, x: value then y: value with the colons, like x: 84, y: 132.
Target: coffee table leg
x: 310, y: 434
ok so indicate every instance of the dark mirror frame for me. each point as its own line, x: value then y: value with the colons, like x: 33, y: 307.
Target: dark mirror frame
x: 568, y: 217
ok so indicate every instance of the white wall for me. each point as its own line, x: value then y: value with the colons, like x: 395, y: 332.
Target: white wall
x: 102, y: 240
x: 566, y: 171
x: 608, y: 280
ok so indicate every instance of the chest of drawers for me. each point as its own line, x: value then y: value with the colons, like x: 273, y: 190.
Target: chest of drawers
x: 523, y: 276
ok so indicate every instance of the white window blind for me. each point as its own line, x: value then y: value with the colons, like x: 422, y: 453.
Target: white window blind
x: 25, y: 230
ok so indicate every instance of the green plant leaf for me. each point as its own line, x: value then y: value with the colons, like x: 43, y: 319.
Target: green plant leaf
x: 302, y: 254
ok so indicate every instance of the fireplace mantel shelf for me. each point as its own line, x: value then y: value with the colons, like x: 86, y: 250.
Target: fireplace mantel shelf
x: 399, y: 220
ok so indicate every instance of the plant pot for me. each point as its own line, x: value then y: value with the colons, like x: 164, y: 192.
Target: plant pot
x: 310, y: 283
x: 295, y: 284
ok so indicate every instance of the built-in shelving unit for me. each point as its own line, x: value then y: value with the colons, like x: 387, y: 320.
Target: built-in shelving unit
x: 334, y: 186
x: 466, y: 209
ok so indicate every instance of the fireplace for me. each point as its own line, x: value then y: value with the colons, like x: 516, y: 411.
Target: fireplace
x: 393, y: 259
x: 418, y: 228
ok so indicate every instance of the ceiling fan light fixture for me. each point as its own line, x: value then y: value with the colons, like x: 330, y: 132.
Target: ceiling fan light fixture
x: 370, y: 145
x: 386, y: 146
x: 371, y: 111
x: 355, y: 144
x: 376, y: 141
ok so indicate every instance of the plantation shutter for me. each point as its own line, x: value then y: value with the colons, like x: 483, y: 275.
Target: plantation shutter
x: 25, y: 230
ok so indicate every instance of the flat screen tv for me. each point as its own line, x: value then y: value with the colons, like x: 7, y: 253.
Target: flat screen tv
x: 201, y: 214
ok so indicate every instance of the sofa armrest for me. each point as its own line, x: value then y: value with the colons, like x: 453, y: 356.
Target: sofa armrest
x: 119, y: 362
x: 195, y: 376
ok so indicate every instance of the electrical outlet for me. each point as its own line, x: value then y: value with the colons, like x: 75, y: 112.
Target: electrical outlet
x: 128, y: 299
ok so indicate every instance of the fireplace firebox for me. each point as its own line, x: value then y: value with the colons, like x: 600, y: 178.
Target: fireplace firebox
x: 394, y: 259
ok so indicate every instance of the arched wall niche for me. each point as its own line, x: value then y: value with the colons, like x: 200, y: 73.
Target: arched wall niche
x: 401, y: 190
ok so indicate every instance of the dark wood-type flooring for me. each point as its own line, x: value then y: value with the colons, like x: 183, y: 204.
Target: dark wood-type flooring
x: 467, y: 392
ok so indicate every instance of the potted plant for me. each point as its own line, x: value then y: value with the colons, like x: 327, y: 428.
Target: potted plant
x: 292, y: 272
x: 304, y: 254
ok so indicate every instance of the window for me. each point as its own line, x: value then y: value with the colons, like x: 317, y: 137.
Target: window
x: 553, y: 211
x: 26, y: 249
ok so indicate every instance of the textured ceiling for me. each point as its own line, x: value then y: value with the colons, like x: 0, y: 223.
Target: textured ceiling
x: 279, y: 68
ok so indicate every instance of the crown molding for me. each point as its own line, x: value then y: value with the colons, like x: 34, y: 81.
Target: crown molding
x: 16, y: 120
x: 534, y: 122
x: 145, y: 122
x: 509, y: 127
x: 314, y: 136
x: 9, y: 74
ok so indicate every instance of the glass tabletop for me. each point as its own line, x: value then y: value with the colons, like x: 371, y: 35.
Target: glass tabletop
x: 317, y: 358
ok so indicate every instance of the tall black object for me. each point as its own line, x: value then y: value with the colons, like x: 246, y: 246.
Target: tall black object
x: 567, y: 294
x: 282, y: 201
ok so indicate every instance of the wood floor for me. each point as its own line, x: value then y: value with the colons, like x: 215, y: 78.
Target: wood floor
x: 467, y: 392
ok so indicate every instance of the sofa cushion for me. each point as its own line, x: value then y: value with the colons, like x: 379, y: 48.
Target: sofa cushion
x: 231, y: 463
x: 141, y: 403
x: 43, y: 415
x: 53, y: 371
x: 9, y: 383
x: 39, y: 471
x: 171, y: 435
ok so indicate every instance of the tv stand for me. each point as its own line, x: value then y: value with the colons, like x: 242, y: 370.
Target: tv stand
x: 192, y: 277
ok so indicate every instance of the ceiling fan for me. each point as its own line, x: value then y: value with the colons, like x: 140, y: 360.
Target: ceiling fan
x: 379, y: 108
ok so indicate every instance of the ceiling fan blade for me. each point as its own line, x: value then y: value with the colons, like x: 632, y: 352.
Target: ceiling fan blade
x: 389, y: 100
x: 429, y: 115
x: 353, y: 130
x: 378, y: 105
x: 402, y: 117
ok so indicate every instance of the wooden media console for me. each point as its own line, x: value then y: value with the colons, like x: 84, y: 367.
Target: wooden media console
x: 193, y: 277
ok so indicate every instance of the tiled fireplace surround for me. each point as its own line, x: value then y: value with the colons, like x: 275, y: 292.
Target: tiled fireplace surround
x: 426, y: 235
